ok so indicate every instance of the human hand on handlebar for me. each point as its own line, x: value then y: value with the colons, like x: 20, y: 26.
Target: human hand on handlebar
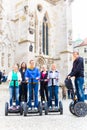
x: 37, y: 78
x: 56, y: 78
x: 69, y: 77
x: 45, y: 79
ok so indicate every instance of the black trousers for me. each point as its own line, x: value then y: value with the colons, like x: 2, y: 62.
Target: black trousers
x: 44, y: 91
x: 23, y: 92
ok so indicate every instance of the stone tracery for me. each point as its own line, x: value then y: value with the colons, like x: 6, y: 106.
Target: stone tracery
x: 27, y: 27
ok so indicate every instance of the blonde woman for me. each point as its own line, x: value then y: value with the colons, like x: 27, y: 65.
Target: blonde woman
x: 14, y: 75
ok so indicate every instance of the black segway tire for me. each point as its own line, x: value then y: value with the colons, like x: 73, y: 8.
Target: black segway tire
x: 46, y: 109
x: 71, y: 108
x: 80, y: 109
x: 40, y: 108
x: 21, y: 110
x: 6, y: 109
x: 25, y: 109
x: 61, y: 108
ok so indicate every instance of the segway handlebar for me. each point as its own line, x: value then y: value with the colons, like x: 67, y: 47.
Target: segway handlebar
x: 43, y: 80
x: 14, y: 81
x: 28, y: 80
x: 24, y: 82
x: 52, y: 80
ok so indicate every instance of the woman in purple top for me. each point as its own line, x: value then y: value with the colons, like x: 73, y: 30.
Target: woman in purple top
x: 44, y: 83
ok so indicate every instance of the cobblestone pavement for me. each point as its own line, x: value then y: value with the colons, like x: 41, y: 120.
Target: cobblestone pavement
x: 35, y: 122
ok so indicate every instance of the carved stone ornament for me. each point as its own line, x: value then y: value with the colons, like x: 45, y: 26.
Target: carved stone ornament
x: 31, y: 48
x: 53, y: 1
x: 39, y: 7
x: 31, y: 14
x: 31, y: 31
x: 26, y: 9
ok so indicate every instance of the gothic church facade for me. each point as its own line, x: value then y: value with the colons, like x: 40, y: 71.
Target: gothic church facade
x: 39, y: 30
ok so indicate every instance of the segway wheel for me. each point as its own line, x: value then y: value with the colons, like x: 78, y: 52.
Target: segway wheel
x: 61, y: 108
x: 71, y: 108
x: 40, y: 108
x: 22, y: 105
x: 25, y: 109
x: 21, y: 110
x: 6, y: 109
x: 46, y: 109
x: 80, y: 109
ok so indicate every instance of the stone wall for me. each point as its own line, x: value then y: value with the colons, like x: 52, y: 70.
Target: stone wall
x: 25, y: 29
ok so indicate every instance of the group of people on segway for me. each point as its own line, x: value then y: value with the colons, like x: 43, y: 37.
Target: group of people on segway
x: 25, y: 83
x: 26, y: 80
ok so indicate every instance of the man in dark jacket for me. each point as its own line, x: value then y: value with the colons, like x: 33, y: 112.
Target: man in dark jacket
x: 78, y: 72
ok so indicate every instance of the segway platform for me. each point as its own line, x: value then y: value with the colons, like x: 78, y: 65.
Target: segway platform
x: 60, y: 105
x: 32, y: 110
x: 77, y: 108
x: 56, y: 109
x: 14, y: 108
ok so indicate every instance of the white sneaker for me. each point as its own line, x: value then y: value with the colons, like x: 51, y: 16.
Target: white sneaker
x: 50, y: 107
x: 56, y: 107
x: 18, y: 107
x: 10, y: 107
x: 29, y: 108
x: 35, y: 108
x: 43, y: 102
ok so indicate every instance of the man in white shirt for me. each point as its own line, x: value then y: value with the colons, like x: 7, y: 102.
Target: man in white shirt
x: 53, y: 78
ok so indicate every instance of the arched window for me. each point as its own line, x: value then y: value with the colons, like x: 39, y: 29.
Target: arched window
x: 45, y: 44
x: 31, y: 47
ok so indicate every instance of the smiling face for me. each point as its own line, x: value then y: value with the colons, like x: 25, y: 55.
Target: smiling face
x: 53, y: 67
x: 15, y: 68
x: 23, y: 65
x: 44, y: 68
x: 32, y: 63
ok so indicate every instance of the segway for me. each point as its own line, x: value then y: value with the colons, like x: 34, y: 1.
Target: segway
x: 60, y: 106
x: 77, y: 108
x: 14, y: 108
x: 44, y: 103
x: 32, y: 111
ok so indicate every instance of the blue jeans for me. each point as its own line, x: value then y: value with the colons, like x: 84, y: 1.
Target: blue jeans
x: 85, y: 96
x: 35, y: 88
x: 11, y: 90
x: 70, y: 94
x: 79, y: 88
x: 50, y: 95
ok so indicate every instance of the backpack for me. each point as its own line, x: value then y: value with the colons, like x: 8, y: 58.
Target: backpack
x: 68, y: 83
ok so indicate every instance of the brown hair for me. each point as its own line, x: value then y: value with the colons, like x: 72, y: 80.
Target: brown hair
x: 31, y: 61
x: 25, y: 65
